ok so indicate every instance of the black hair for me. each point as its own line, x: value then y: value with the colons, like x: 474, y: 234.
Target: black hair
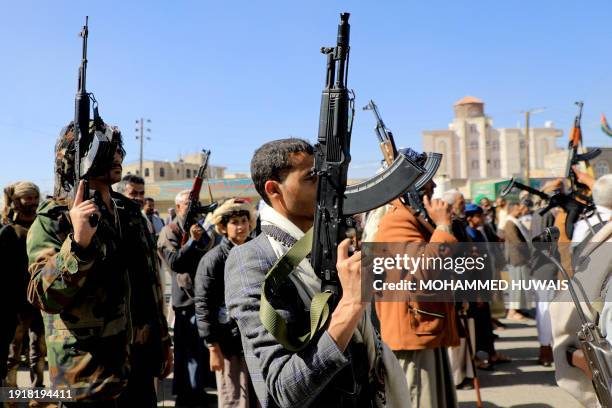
x: 128, y: 179
x: 225, y: 218
x: 151, y: 199
x: 272, y: 161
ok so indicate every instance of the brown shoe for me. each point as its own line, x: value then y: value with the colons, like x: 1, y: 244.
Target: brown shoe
x: 546, y: 356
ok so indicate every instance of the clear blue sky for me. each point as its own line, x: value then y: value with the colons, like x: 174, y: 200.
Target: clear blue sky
x: 231, y: 75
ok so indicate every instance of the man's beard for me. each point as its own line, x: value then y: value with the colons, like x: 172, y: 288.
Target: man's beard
x: 26, y: 210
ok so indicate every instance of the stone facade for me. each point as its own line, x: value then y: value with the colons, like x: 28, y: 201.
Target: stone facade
x: 182, y: 169
x: 474, y: 149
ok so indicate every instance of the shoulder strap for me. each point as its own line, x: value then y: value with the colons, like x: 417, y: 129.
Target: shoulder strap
x: 271, y: 319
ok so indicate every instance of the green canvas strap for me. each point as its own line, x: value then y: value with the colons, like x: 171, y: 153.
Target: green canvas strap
x: 276, y: 276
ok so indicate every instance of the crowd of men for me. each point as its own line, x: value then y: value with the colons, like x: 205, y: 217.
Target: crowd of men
x: 89, y: 295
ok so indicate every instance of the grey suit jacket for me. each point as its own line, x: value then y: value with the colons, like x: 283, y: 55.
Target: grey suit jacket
x: 281, y: 378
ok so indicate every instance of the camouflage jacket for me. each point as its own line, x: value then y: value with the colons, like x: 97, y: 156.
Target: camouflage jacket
x: 84, y: 296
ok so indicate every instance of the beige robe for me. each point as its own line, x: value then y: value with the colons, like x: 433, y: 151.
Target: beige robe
x: 565, y: 321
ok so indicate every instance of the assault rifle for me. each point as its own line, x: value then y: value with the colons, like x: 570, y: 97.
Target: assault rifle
x: 576, y: 188
x: 414, y: 196
x: 335, y: 201
x: 194, y: 208
x: 576, y: 203
x: 597, y: 350
x: 558, y: 199
x: 95, y: 148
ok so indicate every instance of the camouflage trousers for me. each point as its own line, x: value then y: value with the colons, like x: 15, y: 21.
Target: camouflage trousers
x: 29, y: 326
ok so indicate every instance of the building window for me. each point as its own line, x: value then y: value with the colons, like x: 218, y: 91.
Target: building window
x: 162, y: 172
x: 473, y: 129
x: 496, y: 164
x: 178, y: 172
x: 474, y: 164
x: 602, y: 168
x: 473, y: 145
x: 522, y: 144
x: 146, y: 172
x: 138, y: 172
x: 495, y: 145
x: 188, y: 173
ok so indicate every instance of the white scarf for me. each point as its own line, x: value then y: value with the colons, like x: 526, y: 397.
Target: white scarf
x: 308, y: 284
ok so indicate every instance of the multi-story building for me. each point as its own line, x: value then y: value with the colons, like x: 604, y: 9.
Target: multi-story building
x: 556, y: 163
x: 474, y: 149
x: 185, y: 168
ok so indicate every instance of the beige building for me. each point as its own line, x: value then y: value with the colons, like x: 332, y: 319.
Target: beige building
x: 185, y: 168
x: 556, y: 163
x: 474, y: 149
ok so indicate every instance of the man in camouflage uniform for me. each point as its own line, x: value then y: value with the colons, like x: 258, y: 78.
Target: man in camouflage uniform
x: 98, y: 286
x: 20, y: 320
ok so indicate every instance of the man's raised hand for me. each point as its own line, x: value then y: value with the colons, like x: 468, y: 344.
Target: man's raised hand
x: 80, y: 213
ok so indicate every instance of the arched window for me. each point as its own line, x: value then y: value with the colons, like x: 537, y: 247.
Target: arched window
x: 188, y: 173
x: 162, y: 172
x: 473, y: 145
x: 146, y: 172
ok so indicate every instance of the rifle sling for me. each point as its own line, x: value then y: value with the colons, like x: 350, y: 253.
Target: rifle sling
x: 276, y: 276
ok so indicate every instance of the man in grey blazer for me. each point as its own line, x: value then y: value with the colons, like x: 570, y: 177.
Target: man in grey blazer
x: 332, y: 369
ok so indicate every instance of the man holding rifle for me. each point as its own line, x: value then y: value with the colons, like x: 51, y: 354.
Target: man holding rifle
x: 333, y: 369
x: 305, y: 332
x: 93, y: 270
x: 181, y: 251
x: 86, y: 278
x: 419, y: 332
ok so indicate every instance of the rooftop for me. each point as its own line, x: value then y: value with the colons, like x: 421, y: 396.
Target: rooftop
x: 468, y: 99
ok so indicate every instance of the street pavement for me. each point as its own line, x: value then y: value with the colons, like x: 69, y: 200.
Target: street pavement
x: 521, y: 383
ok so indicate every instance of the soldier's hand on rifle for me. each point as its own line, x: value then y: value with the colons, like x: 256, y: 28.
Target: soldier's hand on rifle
x: 79, y: 216
x: 439, y: 211
x: 196, y: 232
x: 584, y: 178
x: 349, y: 273
x: 350, y: 308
